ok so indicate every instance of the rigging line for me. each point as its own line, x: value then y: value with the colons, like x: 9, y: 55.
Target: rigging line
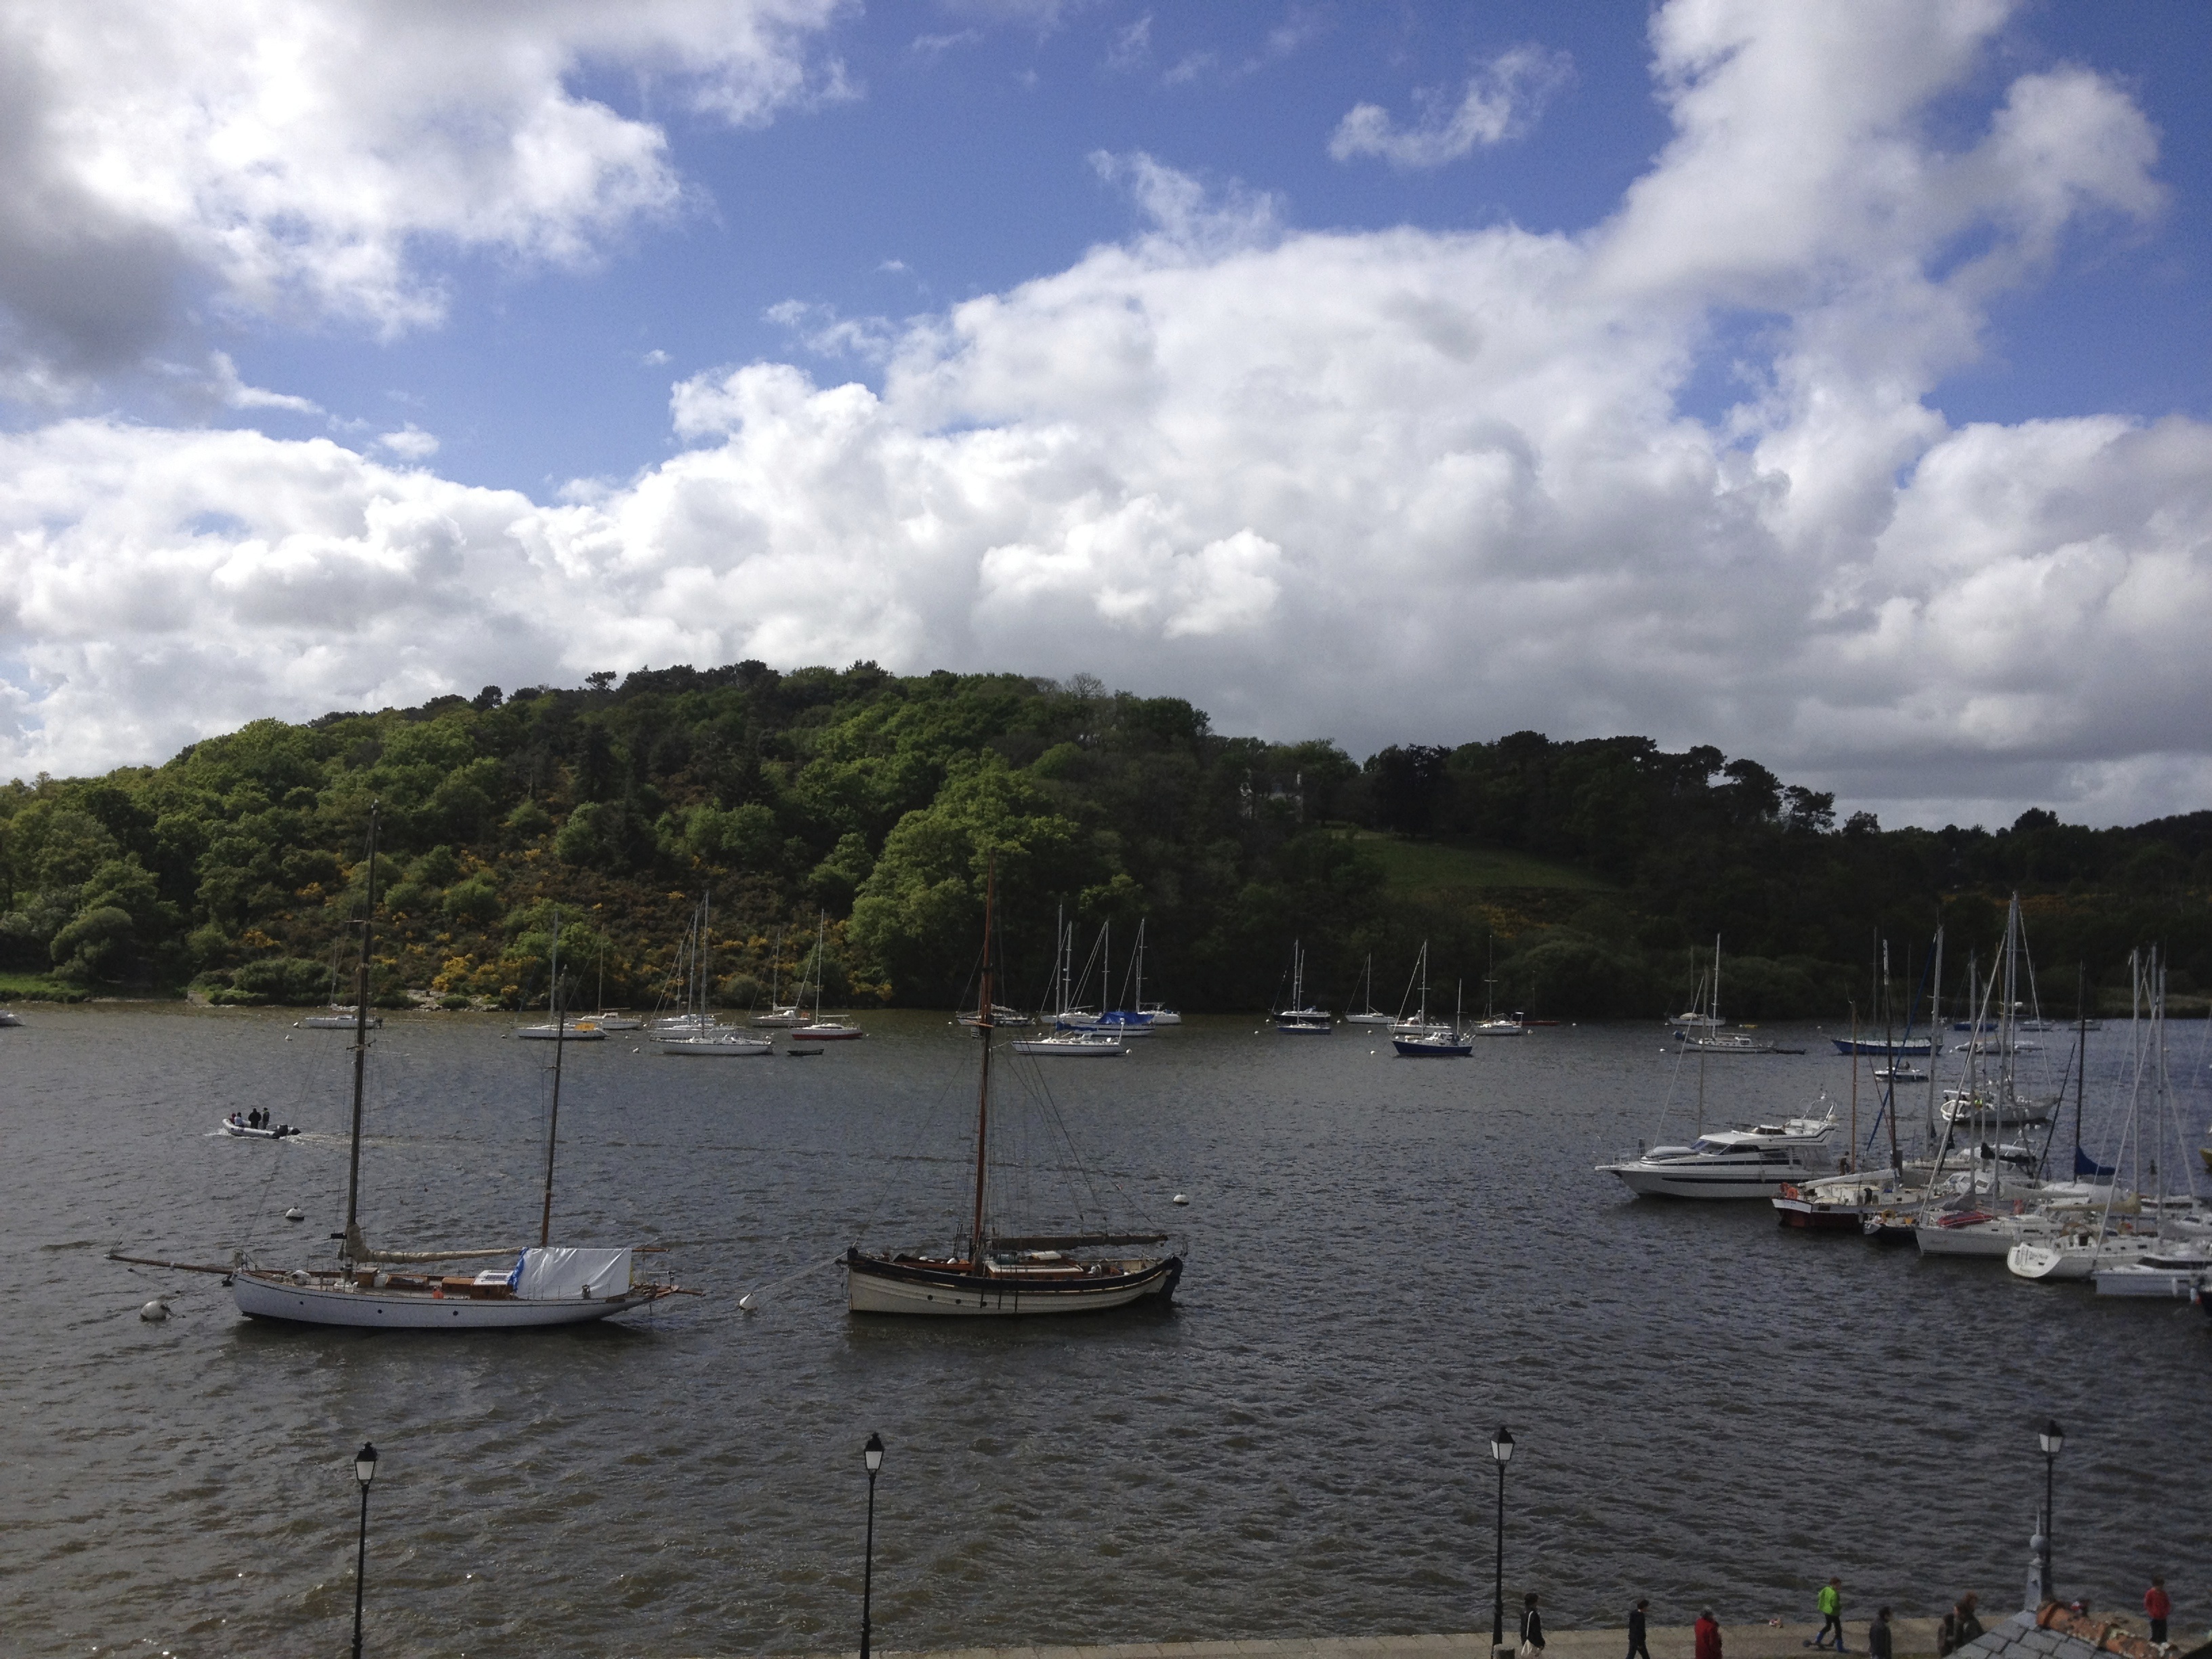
x: 746, y: 1302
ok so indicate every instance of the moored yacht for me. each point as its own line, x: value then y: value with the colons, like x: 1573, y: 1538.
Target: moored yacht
x: 1757, y: 1161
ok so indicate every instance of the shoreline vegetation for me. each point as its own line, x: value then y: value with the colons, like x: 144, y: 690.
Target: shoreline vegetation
x: 1596, y: 872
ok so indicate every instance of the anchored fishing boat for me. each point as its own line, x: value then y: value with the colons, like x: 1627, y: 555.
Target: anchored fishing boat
x: 991, y: 1274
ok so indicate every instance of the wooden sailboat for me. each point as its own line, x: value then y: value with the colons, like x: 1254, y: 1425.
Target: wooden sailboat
x: 548, y: 1284
x: 991, y: 1274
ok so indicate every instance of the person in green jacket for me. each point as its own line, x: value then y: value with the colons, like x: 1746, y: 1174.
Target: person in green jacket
x: 1830, y: 1602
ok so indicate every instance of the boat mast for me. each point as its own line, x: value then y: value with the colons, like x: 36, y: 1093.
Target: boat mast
x: 1889, y: 1095
x: 1934, y: 1033
x: 360, y: 1039
x: 553, y: 1124
x: 2080, y: 1056
x: 984, y: 1023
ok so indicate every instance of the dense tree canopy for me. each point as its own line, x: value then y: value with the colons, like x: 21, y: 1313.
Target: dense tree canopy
x: 877, y: 802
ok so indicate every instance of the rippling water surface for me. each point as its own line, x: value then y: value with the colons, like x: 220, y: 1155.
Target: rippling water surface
x: 1387, y: 1260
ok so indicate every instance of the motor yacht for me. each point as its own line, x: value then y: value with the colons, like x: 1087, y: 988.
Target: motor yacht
x: 1756, y: 1161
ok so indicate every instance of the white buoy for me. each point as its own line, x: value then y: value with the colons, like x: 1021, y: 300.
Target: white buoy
x: 745, y: 1303
x: 155, y: 1311
x: 296, y: 1213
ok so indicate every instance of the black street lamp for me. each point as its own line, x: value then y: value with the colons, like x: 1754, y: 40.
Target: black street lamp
x: 2052, y: 1438
x: 873, y: 1456
x: 1501, y: 1449
x: 364, y: 1471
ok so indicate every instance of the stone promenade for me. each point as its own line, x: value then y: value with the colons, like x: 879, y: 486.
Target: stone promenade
x: 1912, y: 1637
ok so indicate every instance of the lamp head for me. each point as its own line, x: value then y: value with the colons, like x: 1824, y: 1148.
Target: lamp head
x: 872, y: 1453
x: 364, y: 1464
x: 2052, y: 1438
x: 1501, y: 1446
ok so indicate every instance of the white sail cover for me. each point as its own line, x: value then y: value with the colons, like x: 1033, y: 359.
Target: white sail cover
x: 564, y: 1272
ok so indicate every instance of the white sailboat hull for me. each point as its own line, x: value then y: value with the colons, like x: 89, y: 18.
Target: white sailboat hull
x: 708, y: 1048
x: 883, y: 1287
x: 276, y: 1296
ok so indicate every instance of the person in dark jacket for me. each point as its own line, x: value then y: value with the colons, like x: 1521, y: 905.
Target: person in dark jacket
x: 1532, y: 1624
x: 1707, y: 1631
x: 1636, y: 1648
x: 1878, y: 1637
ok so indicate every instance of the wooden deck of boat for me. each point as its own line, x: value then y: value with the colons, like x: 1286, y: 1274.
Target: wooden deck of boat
x: 1912, y: 1637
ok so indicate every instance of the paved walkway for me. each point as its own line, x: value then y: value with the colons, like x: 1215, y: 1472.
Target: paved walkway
x: 1912, y: 1637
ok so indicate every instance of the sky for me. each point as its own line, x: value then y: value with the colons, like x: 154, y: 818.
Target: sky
x: 1825, y: 382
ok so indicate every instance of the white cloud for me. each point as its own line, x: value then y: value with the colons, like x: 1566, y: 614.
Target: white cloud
x: 410, y: 443
x: 1501, y: 100
x: 1385, y: 486
x: 304, y: 159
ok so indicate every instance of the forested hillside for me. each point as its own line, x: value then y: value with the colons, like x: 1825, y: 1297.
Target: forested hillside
x: 1595, y: 871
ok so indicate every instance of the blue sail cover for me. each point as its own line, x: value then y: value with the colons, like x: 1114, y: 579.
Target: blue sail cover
x: 2087, y: 1168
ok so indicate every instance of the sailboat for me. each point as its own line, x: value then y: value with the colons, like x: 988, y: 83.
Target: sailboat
x: 1066, y: 1040
x: 780, y: 1013
x: 1705, y: 1037
x: 1420, y: 1025
x: 1297, y: 1019
x: 1491, y: 1023
x: 1444, y: 1042
x: 1134, y: 1019
x: 335, y: 1016
x: 819, y: 1029
x: 373, y: 1288
x: 1368, y: 1014
x: 988, y: 1274
x: 696, y: 1034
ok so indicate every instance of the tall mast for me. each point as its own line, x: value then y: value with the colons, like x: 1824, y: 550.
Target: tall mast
x: 553, y: 1124
x: 1717, y: 982
x: 360, y: 1038
x: 2080, y: 1057
x: 1934, y: 1032
x: 984, y: 1023
x: 1889, y: 1095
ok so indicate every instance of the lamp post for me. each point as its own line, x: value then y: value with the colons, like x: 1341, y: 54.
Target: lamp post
x: 2051, y: 1439
x: 1501, y: 1449
x: 364, y: 1471
x: 873, y: 1456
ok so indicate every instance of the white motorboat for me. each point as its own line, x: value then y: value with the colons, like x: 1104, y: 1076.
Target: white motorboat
x: 1756, y: 1161
x: 373, y: 1288
x: 9, y: 1017
x: 611, y: 1019
x: 2076, y: 1256
x: 994, y: 1273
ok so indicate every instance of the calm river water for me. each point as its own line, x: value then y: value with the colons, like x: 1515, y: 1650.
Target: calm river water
x: 1387, y: 1260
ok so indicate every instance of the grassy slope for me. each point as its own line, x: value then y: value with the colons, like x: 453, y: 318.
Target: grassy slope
x: 37, y: 988
x: 1428, y: 866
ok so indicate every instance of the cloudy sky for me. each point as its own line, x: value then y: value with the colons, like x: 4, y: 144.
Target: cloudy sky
x: 1824, y: 382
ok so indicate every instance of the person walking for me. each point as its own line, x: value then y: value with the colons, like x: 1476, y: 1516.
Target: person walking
x: 1636, y: 1648
x: 1879, y: 1645
x: 1532, y: 1628
x: 2157, y: 1609
x: 1707, y: 1631
x: 1830, y: 1602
